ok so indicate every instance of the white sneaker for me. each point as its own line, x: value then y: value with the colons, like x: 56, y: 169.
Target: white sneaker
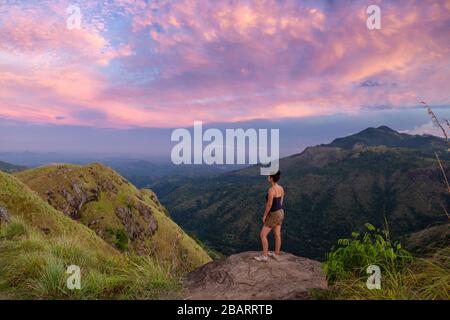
x: 261, y: 258
x: 273, y: 255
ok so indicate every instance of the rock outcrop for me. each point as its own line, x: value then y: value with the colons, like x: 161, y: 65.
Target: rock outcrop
x: 242, y: 277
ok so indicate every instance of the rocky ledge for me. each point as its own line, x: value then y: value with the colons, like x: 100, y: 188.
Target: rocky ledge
x: 241, y: 277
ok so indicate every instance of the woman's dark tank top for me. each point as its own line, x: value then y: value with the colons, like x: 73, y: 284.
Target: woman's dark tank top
x: 276, y: 203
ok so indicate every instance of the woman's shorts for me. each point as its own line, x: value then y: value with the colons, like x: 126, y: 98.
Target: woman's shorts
x: 274, y: 218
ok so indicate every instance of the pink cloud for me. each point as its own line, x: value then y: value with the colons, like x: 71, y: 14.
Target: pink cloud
x: 167, y: 63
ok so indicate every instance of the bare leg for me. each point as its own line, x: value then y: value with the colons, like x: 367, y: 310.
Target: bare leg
x: 265, y: 243
x: 277, y: 234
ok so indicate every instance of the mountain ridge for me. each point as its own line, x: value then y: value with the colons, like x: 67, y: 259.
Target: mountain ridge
x: 384, y: 135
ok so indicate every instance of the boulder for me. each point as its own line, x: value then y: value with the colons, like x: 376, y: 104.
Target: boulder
x: 240, y: 276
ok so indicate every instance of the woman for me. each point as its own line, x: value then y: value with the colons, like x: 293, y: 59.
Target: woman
x: 273, y: 218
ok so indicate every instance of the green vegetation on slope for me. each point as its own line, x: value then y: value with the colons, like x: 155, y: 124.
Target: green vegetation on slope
x: 428, y: 240
x: 185, y: 253
x: 132, y: 220
x: 402, y: 275
x: 38, y: 243
x: 354, y: 255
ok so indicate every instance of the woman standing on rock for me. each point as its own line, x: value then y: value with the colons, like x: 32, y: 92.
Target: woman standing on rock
x: 273, y: 218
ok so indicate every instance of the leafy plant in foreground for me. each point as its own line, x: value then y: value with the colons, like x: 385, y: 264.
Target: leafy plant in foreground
x: 352, y: 257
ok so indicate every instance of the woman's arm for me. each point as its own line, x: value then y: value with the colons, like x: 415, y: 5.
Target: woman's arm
x: 268, y: 204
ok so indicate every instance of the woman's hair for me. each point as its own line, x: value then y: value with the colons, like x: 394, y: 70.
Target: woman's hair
x: 276, y: 177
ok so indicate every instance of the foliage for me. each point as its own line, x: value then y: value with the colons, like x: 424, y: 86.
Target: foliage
x: 118, y: 237
x: 354, y: 255
x: 402, y: 275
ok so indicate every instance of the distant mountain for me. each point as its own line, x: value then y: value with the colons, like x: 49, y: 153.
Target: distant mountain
x: 331, y: 190
x: 10, y: 168
x: 139, y: 170
x: 390, y: 138
x: 142, y: 172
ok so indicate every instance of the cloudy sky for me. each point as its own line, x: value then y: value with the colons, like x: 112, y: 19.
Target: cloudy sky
x: 136, y: 64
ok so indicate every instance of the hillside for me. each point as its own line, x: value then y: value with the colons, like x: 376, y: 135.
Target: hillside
x: 331, y: 190
x: 10, y: 168
x: 144, y: 256
x: 131, y: 220
x: 426, y: 241
x: 38, y: 242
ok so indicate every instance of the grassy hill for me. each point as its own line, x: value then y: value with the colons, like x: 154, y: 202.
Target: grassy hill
x: 131, y: 220
x: 38, y: 241
x: 331, y: 190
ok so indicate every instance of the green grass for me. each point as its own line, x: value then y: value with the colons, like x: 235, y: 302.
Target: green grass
x: 40, y: 242
x: 39, y: 271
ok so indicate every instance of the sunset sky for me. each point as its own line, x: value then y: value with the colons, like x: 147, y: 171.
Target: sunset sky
x: 138, y: 64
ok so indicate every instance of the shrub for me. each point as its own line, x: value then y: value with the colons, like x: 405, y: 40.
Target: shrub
x: 119, y: 238
x: 354, y: 255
